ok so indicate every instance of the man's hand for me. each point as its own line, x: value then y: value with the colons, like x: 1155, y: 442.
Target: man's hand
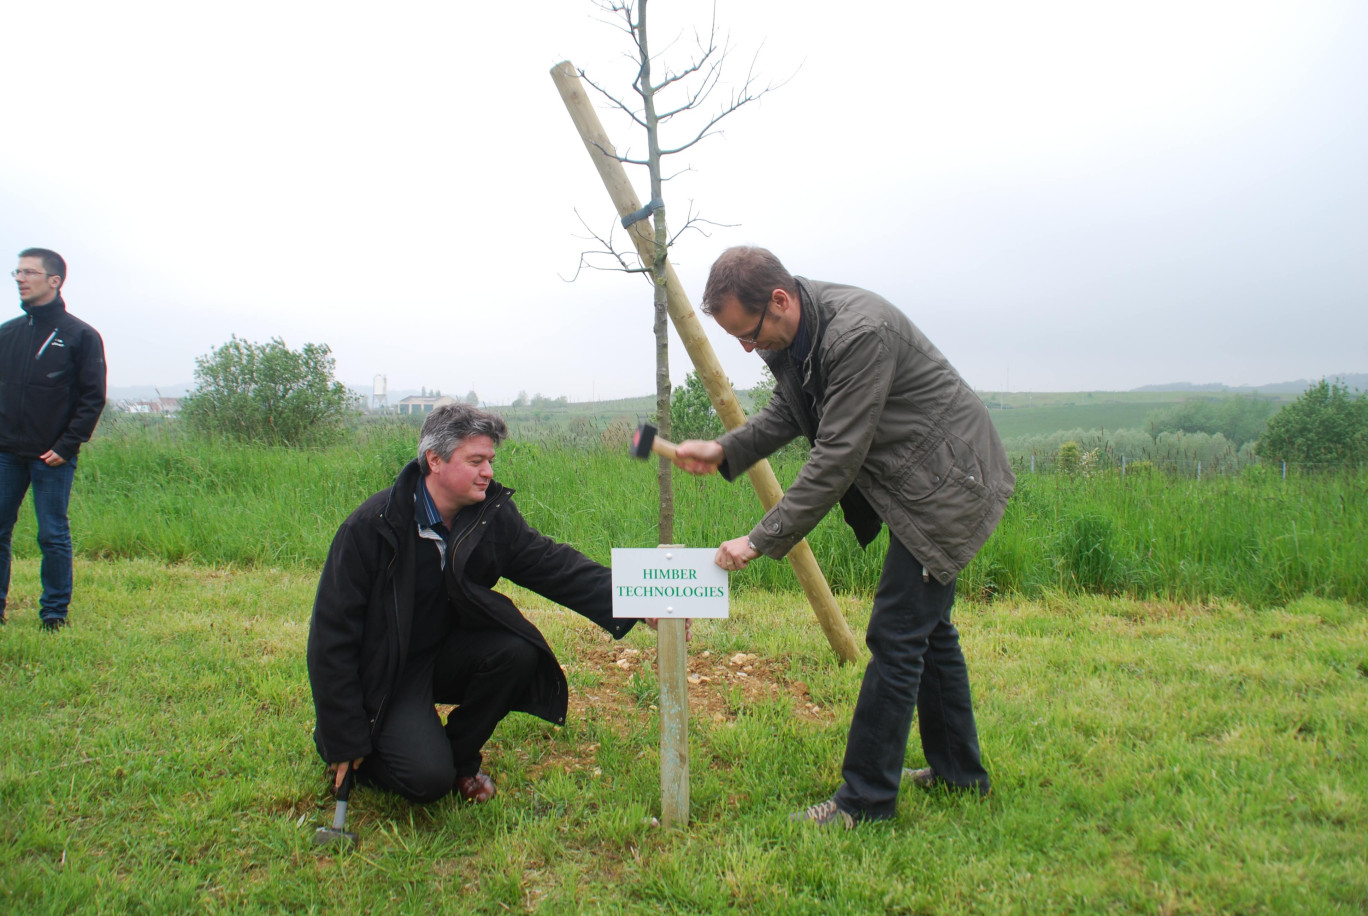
x: 735, y: 554
x: 699, y: 456
x: 340, y: 771
x: 654, y: 624
x: 52, y: 459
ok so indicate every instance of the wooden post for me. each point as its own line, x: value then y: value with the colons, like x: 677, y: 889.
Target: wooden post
x: 672, y: 668
x: 700, y: 351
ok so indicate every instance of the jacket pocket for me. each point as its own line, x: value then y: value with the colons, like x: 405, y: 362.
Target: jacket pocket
x: 45, y: 415
x: 946, y: 498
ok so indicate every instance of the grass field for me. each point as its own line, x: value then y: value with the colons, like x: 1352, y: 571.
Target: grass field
x: 1171, y: 680
x: 1148, y: 757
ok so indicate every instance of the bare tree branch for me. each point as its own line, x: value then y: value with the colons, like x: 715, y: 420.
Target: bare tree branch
x: 608, y: 250
x: 696, y: 223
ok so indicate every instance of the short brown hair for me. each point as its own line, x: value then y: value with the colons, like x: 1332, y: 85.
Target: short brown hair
x: 750, y: 274
x: 53, y: 262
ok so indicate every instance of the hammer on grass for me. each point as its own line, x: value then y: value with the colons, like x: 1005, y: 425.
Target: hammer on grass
x: 645, y: 442
x: 335, y: 835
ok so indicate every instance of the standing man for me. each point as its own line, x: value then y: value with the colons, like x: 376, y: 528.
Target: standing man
x: 406, y: 616
x: 899, y: 438
x: 52, y: 391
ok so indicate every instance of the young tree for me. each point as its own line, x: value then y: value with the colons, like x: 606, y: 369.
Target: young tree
x: 688, y: 88
x: 1326, y: 426
x: 267, y: 393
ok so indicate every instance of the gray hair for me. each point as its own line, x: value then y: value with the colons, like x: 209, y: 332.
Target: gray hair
x: 447, y: 427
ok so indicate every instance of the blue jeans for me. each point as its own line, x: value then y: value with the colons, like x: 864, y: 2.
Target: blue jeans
x: 916, y: 666
x: 51, y: 494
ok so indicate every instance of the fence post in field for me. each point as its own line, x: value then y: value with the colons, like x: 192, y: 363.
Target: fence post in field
x: 1284, y: 470
x: 709, y: 370
x: 1199, y: 470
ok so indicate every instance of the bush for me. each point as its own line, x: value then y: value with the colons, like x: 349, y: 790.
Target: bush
x: 691, y: 412
x: 267, y: 394
x: 1324, y: 427
x: 1070, y: 457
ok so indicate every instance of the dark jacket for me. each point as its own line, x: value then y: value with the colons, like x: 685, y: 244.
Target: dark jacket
x: 52, y: 382
x: 363, y: 612
x: 896, y: 435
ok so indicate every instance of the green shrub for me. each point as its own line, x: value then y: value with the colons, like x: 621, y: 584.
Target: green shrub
x: 267, y: 394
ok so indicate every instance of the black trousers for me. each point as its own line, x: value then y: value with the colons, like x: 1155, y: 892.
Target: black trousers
x: 482, y: 670
x: 916, y: 666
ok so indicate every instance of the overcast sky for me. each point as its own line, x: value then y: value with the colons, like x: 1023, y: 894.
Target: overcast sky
x: 1063, y: 196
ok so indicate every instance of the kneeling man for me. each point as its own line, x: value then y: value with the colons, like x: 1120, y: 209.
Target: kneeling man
x: 406, y: 616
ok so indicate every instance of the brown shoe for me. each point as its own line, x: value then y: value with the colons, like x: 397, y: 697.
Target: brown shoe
x: 476, y: 789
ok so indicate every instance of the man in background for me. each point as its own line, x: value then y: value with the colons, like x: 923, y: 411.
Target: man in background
x: 52, y: 392
x: 898, y: 438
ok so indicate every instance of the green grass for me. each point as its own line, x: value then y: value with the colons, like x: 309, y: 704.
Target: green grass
x: 1253, y: 537
x: 1148, y: 756
x: 1034, y: 421
x: 1022, y: 414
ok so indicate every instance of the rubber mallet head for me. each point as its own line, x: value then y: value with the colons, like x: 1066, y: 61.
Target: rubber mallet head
x: 645, y: 442
x: 335, y: 835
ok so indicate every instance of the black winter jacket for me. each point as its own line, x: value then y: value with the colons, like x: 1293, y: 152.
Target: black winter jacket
x: 52, y: 382
x: 363, y: 613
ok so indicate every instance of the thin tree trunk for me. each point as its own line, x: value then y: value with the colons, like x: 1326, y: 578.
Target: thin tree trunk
x: 664, y: 480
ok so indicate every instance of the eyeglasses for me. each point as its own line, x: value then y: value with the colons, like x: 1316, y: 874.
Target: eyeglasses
x: 754, y: 338
x: 28, y: 274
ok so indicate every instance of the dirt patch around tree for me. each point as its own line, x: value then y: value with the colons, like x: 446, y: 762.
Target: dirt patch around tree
x: 719, y: 687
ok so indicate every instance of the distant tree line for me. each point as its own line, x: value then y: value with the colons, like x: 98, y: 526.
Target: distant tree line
x: 1325, y: 428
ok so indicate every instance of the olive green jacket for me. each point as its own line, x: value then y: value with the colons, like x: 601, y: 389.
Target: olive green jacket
x: 893, y: 427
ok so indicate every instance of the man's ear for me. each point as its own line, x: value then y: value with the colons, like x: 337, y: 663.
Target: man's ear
x: 782, y: 300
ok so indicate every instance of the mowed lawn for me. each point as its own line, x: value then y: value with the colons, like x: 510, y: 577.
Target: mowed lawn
x: 1148, y: 757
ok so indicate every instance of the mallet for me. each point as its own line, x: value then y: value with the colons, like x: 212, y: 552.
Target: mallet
x: 645, y: 442
x: 329, y: 836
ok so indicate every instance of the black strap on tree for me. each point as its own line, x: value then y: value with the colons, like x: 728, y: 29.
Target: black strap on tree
x: 635, y: 217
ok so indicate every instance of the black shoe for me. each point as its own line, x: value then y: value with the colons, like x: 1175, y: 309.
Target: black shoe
x: 53, y: 624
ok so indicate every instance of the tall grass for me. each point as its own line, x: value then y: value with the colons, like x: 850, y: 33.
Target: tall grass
x: 1254, y: 537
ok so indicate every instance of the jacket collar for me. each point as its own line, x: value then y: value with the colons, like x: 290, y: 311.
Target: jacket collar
x: 43, y: 312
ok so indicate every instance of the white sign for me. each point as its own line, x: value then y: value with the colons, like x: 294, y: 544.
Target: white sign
x: 668, y: 582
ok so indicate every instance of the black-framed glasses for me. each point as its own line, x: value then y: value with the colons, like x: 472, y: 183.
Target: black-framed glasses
x: 28, y: 274
x: 754, y: 338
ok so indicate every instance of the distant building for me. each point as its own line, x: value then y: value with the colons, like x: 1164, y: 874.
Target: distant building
x: 166, y: 407
x: 416, y: 404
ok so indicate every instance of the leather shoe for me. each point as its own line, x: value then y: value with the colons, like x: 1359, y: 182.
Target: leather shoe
x: 476, y: 789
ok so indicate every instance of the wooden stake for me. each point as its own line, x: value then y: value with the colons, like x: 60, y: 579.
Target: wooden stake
x: 673, y: 667
x: 700, y: 350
